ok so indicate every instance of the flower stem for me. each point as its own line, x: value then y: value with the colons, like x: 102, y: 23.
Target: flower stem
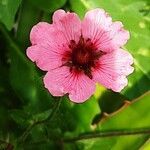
x: 103, y: 134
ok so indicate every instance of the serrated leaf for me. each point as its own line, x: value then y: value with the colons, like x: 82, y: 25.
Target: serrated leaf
x: 42, y: 116
x: 20, y: 117
x: 24, y: 119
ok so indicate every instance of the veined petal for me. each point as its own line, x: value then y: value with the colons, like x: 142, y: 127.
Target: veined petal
x: 61, y: 81
x: 82, y: 88
x: 118, y: 34
x: 105, y: 34
x: 41, y: 32
x: 58, y: 81
x: 44, y: 58
x: 58, y: 15
x: 113, y: 39
x: 113, y: 69
x: 95, y: 23
x: 46, y: 35
x: 68, y: 24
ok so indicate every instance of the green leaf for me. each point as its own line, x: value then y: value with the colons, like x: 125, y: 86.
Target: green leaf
x: 25, y: 80
x: 42, y: 116
x: 84, y: 113
x: 74, y: 118
x: 27, y: 83
x: 106, y: 99
x: 39, y: 145
x: 146, y: 145
x: 49, y: 5
x: 29, y: 15
x: 20, y: 117
x: 138, y: 110
x: 130, y: 117
x: 24, y: 118
x: 129, y: 12
x: 110, y: 98
x: 8, y: 9
x: 139, y: 80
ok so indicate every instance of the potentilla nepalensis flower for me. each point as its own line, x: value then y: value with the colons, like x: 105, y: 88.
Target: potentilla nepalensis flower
x: 78, y: 54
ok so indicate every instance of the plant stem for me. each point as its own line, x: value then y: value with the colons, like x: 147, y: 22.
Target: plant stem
x: 54, y: 111
x: 108, y: 134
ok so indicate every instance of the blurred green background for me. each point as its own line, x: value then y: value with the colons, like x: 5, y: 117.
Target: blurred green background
x: 30, y: 118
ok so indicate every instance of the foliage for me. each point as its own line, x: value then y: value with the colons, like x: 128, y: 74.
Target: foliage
x: 30, y: 118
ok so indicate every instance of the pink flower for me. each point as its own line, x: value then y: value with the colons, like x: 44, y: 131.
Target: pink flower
x: 76, y: 54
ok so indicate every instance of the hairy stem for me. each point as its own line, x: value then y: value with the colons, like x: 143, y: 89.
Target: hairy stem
x: 108, y: 134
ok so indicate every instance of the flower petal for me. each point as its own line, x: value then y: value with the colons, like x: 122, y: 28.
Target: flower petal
x: 119, y: 35
x: 69, y: 24
x: 44, y: 58
x: 58, y: 15
x: 113, y: 39
x: 96, y: 22
x: 113, y: 69
x: 105, y: 35
x: 47, y: 35
x: 82, y: 88
x: 58, y: 81
x: 61, y: 81
x: 40, y: 32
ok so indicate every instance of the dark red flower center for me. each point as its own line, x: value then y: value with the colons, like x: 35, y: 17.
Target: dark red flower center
x: 82, y: 57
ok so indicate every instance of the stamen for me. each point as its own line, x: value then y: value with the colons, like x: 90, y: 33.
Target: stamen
x: 82, y: 56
